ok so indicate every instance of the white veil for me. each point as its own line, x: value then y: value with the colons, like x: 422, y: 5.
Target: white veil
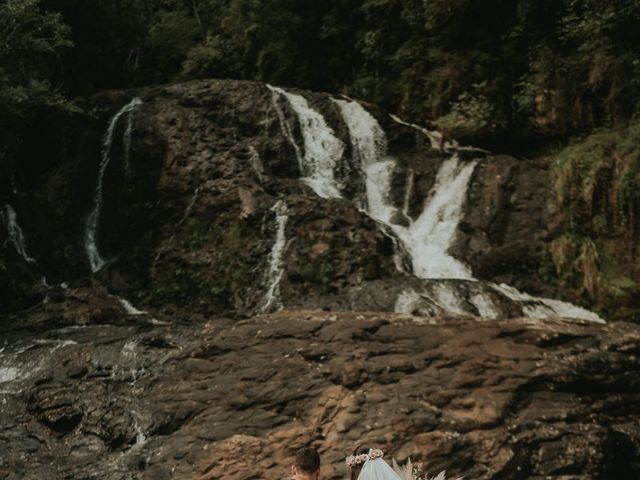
x: 377, y: 469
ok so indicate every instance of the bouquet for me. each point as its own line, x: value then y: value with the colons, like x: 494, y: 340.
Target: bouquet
x: 409, y: 471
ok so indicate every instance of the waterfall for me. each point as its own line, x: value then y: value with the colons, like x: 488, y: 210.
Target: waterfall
x: 537, y: 307
x: 90, y: 241
x: 129, y: 308
x: 16, y: 235
x: 429, y: 237
x: 448, y: 297
x: 126, y: 143
x: 441, y: 225
x: 141, y: 437
x: 426, y: 239
x: 322, y: 149
x: 257, y: 165
x: 484, y: 305
x: 369, y: 144
x: 407, y: 302
x: 408, y: 191
x: 276, y: 264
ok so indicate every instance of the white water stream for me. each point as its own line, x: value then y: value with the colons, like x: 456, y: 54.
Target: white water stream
x: 408, y: 191
x: 16, y: 235
x: 276, y: 264
x: 321, y: 151
x: 428, y: 238
x: 538, y: 307
x: 126, y: 143
x: 91, y: 231
x: 129, y: 308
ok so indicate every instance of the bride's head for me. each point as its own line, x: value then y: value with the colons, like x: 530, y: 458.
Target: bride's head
x: 356, y: 465
x: 368, y: 464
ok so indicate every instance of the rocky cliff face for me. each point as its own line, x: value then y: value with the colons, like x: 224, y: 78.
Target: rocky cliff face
x: 308, y: 270
x: 202, y: 180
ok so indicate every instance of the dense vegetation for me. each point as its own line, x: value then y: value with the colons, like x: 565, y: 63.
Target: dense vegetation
x: 514, y: 75
x: 596, y: 255
x: 535, y: 67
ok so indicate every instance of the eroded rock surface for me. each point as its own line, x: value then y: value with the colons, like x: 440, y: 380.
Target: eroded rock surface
x: 187, y: 221
x: 87, y: 391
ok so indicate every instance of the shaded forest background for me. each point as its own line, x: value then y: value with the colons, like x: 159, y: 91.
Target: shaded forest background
x: 531, y: 77
x: 550, y: 68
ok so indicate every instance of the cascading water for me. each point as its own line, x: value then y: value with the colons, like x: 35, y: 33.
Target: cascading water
x: 484, y: 305
x: 537, y: 307
x: 126, y: 143
x: 16, y: 235
x: 322, y: 149
x: 369, y: 151
x: 91, y: 231
x: 533, y: 307
x: 129, y: 308
x: 429, y: 237
x: 408, y: 191
x: 276, y: 264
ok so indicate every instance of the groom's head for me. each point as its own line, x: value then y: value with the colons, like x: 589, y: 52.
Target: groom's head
x: 307, y: 463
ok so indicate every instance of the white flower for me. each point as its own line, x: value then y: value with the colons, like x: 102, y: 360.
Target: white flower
x: 375, y: 453
x: 354, y: 460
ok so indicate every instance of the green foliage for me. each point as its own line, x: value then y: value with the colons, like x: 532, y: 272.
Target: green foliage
x: 471, y: 115
x: 28, y: 34
x: 493, y: 71
x: 30, y: 43
x: 171, y: 36
x: 598, y: 188
x: 524, y: 68
x: 203, y: 60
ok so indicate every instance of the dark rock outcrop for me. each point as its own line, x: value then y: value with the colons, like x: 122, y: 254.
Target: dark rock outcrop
x: 510, y: 219
x: 190, y: 225
x: 90, y: 392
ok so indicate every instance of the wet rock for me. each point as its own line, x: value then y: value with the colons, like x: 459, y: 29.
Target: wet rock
x: 186, y: 222
x: 486, y: 399
x: 508, y: 223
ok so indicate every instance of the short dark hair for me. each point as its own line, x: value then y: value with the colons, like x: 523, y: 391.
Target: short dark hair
x: 307, y: 460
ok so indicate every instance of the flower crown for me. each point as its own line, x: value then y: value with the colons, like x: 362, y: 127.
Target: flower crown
x: 354, y: 460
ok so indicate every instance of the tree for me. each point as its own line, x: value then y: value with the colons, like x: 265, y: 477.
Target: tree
x: 31, y: 41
